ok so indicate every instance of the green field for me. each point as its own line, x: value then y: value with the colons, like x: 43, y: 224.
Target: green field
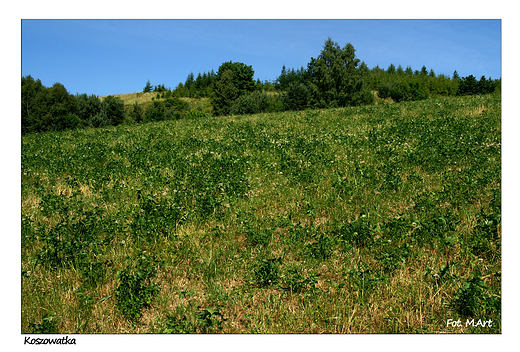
x: 377, y: 219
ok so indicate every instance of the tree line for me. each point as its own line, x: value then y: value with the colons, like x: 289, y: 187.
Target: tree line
x: 335, y: 78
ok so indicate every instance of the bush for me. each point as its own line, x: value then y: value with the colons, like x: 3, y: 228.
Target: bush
x: 114, y: 109
x: 69, y: 121
x: 400, y: 92
x: 252, y: 103
x: 99, y: 120
x: 155, y: 112
x: 135, y: 290
x: 383, y: 91
x: 136, y: 113
x: 298, y: 96
x: 418, y: 91
x: 404, y: 91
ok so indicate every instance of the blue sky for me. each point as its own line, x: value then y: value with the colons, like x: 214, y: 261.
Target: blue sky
x: 104, y: 57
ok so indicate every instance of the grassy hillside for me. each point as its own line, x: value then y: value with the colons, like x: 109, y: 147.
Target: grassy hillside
x: 376, y: 219
x: 146, y: 99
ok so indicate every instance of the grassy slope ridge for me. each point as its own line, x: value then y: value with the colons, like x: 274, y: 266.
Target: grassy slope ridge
x: 376, y: 219
x: 146, y: 99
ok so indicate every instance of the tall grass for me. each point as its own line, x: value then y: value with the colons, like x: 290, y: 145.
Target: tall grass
x: 375, y: 219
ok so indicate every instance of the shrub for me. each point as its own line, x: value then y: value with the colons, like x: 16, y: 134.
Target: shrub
x: 135, y: 290
x: 99, y: 120
x: 297, y: 97
x: 114, y: 109
x: 383, y: 91
x: 136, y: 113
x: 251, y: 103
x: 155, y: 112
x: 69, y: 121
x: 400, y: 92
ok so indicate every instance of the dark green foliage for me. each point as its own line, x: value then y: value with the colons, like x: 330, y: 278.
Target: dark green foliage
x: 336, y: 77
x: 297, y: 97
x: 320, y: 247
x: 224, y: 94
x: 290, y: 77
x: 47, y: 109
x: 114, y: 110
x: 356, y: 233
x: 266, y: 271
x: 485, y: 240
x: 47, y: 326
x: 187, y: 321
x: 176, y: 324
x: 383, y: 91
x: 157, y: 217
x: 88, y: 107
x: 170, y: 109
x: 295, y: 281
x: 468, y: 85
x: 260, y: 237
x: 251, y: 103
x: 393, y: 258
x: 473, y: 298
x: 202, y: 86
x: 136, y: 290
x: 136, y: 113
x: 176, y: 104
x: 413, y: 90
x: 72, y: 242
x: 160, y: 88
x: 241, y: 76
x: 148, y: 87
x: 32, y: 92
x: 155, y: 112
x: 210, y: 320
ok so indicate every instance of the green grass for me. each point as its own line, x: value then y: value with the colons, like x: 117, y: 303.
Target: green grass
x: 146, y: 99
x: 375, y: 219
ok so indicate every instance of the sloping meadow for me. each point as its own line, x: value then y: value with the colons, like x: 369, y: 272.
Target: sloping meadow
x: 375, y: 219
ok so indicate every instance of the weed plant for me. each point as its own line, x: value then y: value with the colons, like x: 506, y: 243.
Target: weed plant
x: 382, y: 218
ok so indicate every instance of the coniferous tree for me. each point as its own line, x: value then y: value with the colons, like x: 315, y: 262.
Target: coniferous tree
x: 455, y: 75
x: 148, y: 87
x: 224, y: 93
x: 113, y: 109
